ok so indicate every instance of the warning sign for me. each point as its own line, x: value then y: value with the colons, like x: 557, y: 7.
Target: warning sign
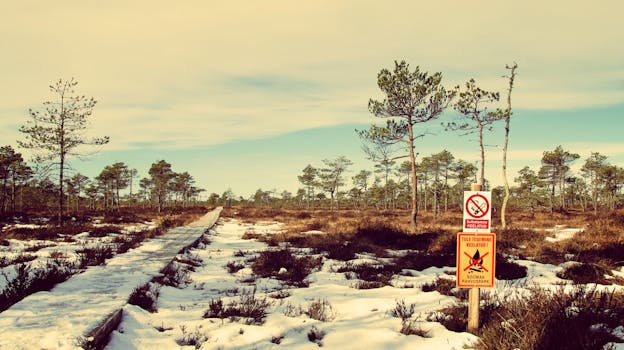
x: 477, y: 213
x: 476, y: 259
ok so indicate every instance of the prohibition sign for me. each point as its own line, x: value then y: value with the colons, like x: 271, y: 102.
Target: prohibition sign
x: 477, y: 206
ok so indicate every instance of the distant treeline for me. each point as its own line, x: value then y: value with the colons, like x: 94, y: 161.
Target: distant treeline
x: 442, y: 181
x: 25, y: 190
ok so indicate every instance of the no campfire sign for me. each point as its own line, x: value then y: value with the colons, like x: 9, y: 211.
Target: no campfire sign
x: 476, y: 260
x: 477, y: 211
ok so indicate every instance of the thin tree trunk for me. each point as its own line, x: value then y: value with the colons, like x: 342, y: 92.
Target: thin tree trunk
x: 414, y: 212
x: 507, y: 121
x: 482, y: 179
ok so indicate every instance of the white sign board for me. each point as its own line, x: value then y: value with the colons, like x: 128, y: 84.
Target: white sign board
x: 477, y: 211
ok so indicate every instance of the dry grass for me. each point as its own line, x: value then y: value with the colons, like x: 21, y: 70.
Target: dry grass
x: 349, y: 232
x: 579, y: 319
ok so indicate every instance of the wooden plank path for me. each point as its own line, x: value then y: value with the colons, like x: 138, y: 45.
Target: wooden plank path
x: 58, y: 319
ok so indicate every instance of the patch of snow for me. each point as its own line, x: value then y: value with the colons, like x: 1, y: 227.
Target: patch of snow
x: 561, y: 233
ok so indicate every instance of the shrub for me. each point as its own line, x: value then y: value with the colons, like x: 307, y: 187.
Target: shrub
x: 174, y: 274
x: 233, y: 266
x: 103, y: 231
x: 583, y: 273
x: 402, y: 311
x: 455, y: 317
x: 253, y: 309
x: 343, y: 251
x: 216, y: 309
x: 583, y: 318
x: 272, y: 263
x: 509, y: 270
x: 321, y: 310
x: 146, y: 297
x: 37, y: 247
x: 28, y: 281
x: 414, y: 327
x: 22, y: 258
x: 277, y: 339
x: 445, y: 286
x: 422, y: 260
x: 372, y: 275
x: 280, y: 294
x: 195, y: 338
x: 192, y: 261
x: 94, y: 256
x: 316, y: 335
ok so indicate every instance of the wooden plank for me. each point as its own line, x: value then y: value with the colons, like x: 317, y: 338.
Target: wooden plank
x: 98, y: 337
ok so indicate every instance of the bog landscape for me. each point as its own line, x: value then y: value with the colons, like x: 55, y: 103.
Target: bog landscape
x: 306, y: 179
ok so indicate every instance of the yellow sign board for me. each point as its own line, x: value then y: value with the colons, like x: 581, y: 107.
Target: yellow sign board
x: 476, y: 259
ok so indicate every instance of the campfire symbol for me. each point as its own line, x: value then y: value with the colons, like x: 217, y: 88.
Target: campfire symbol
x: 476, y: 262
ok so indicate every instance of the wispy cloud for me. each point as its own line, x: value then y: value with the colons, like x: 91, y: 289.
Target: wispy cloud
x: 202, y: 73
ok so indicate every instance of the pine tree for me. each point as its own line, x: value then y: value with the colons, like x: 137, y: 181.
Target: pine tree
x: 56, y: 131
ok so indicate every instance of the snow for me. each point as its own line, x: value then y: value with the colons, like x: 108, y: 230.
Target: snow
x: 561, y: 233
x: 58, y: 319
x: 362, y: 317
x: 358, y: 318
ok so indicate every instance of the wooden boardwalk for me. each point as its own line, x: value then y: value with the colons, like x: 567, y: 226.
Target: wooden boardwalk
x: 60, y: 318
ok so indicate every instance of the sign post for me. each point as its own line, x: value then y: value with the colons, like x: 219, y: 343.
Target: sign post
x: 476, y: 250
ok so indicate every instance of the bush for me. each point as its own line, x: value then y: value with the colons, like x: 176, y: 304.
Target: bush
x: 509, y: 270
x: 321, y: 310
x: 195, y: 338
x: 583, y: 273
x: 372, y: 275
x: 94, y: 256
x: 455, y: 317
x: 233, y: 266
x: 103, y: 231
x: 402, y: 311
x: 216, y: 309
x: 445, y: 286
x: 38, y: 247
x: 146, y: 297
x: 583, y: 318
x: 316, y: 335
x: 192, y: 261
x: 174, y: 274
x: 28, y: 281
x: 252, y: 309
x: 283, y: 265
x: 22, y: 258
x: 413, y: 327
x: 422, y: 260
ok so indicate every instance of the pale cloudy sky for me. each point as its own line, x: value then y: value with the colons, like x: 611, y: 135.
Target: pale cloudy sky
x: 217, y: 88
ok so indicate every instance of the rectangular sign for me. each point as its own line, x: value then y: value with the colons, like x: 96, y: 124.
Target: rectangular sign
x: 476, y: 260
x: 477, y: 211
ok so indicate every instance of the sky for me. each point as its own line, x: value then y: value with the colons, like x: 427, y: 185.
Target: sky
x: 245, y: 94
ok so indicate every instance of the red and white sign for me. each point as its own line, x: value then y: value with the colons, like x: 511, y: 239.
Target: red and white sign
x: 477, y: 211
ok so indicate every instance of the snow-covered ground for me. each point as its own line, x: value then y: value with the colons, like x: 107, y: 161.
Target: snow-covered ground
x: 59, y: 319
x: 561, y: 233
x: 358, y: 318
x: 42, y: 251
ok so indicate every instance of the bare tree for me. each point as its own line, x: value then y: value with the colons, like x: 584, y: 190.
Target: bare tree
x: 507, y: 116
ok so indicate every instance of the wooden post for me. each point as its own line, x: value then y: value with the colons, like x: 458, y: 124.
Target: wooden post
x: 473, y: 294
